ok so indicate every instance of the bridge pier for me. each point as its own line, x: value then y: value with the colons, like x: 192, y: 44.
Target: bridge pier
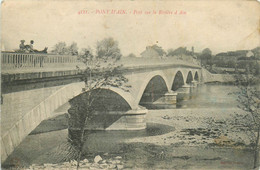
x: 167, y: 101
x: 131, y: 120
x: 111, y: 120
x: 194, y: 83
x: 184, y: 92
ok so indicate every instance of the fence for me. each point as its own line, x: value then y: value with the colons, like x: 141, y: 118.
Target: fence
x: 10, y: 60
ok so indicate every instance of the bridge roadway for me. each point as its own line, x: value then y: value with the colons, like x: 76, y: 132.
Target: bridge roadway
x: 19, y: 78
x: 23, y: 110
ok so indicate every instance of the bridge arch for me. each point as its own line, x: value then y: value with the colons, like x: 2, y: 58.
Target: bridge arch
x: 189, y: 78
x: 45, y: 109
x: 178, y: 81
x: 108, y: 98
x: 107, y: 107
x: 156, y: 82
x: 196, y: 76
x: 155, y: 89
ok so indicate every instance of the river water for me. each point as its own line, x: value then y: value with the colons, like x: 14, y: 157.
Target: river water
x: 49, y: 147
x: 212, y: 96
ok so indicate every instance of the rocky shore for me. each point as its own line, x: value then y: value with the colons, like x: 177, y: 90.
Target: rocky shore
x: 200, y: 127
x: 97, y: 163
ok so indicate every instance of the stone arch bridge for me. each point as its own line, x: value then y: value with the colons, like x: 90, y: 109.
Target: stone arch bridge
x: 156, y: 88
x: 152, y: 86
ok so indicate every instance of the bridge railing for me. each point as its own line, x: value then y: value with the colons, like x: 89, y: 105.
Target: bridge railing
x: 16, y: 62
x: 10, y: 60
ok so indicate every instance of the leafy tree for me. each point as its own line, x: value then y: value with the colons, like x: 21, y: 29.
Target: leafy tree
x: 159, y: 50
x: 60, y: 48
x: 73, y: 49
x: 257, y: 69
x: 170, y: 52
x: 102, y: 70
x: 231, y: 63
x: 86, y: 50
x: 179, y: 51
x: 256, y: 52
x: 153, y: 51
x: 206, y: 57
x: 206, y: 53
x: 108, y: 49
x: 131, y: 55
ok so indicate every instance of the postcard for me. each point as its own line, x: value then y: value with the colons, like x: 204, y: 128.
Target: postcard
x: 130, y: 84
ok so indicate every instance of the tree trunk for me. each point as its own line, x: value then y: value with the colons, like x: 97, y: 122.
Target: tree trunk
x: 81, y: 143
x: 78, y: 160
x: 256, y: 148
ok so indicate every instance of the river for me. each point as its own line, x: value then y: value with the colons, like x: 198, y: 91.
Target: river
x: 163, y: 145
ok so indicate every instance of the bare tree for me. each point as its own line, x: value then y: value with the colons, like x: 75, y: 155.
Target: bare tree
x: 249, y: 101
x: 101, y: 71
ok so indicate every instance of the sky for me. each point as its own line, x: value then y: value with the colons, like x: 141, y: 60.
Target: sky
x: 218, y: 25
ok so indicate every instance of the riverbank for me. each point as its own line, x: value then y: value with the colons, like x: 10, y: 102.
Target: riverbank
x: 175, y: 139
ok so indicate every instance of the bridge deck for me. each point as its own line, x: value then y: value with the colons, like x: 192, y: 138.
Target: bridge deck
x: 17, y: 104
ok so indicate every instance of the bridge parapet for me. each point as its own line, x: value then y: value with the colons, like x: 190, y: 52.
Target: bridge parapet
x: 11, y: 60
x: 63, y: 70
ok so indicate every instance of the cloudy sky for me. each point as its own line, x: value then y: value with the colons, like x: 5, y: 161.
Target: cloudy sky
x: 220, y: 26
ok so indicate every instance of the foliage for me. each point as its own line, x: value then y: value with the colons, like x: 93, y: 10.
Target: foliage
x: 73, y: 49
x: 237, y: 59
x: 102, y: 69
x: 156, y: 51
x: 131, y: 55
x: 178, y: 52
x: 84, y: 51
x: 62, y: 49
x: 206, y: 57
x: 231, y: 64
x: 206, y: 52
x: 256, y: 52
x: 108, y: 49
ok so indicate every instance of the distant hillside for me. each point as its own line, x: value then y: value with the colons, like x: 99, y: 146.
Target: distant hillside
x: 232, y: 59
x: 239, y: 53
